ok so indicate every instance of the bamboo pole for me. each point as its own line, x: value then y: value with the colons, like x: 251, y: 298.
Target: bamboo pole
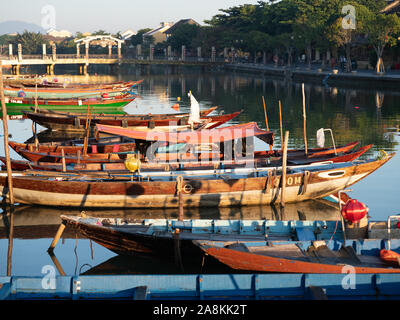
x: 266, y: 118
x: 284, y: 165
x: 10, y: 241
x: 280, y: 121
x: 265, y: 113
x: 304, y: 120
x: 179, y: 181
x: 34, y: 123
x: 5, y: 127
x: 64, y: 167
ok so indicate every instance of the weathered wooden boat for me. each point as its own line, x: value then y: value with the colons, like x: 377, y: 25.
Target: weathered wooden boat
x: 204, y: 112
x: 48, y: 93
x: 121, y: 143
x: 66, y: 104
x: 304, y: 256
x: 44, y: 83
x: 76, y: 121
x: 202, y: 287
x: 101, y: 145
x: 259, y: 187
x: 157, y: 236
x: 130, y: 235
x: 111, y: 158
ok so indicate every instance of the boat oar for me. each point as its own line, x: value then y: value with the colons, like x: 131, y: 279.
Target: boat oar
x: 56, y: 237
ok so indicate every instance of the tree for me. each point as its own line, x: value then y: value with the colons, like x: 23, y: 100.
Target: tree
x: 381, y: 31
x: 31, y: 42
x: 138, y: 37
x: 183, y: 35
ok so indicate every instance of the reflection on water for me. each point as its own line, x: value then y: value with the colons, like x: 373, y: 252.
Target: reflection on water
x: 364, y: 114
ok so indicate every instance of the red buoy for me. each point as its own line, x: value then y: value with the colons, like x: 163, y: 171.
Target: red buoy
x: 354, y: 211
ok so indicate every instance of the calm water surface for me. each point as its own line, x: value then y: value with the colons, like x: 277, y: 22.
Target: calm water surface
x: 363, y: 114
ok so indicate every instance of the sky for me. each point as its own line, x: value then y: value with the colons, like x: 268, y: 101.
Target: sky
x: 111, y: 15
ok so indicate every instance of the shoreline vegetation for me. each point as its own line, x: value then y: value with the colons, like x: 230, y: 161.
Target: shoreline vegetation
x: 346, y: 35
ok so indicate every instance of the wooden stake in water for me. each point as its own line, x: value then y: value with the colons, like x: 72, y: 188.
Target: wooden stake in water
x: 5, y: 127
x: 284, y: 165
x: 304, y: 120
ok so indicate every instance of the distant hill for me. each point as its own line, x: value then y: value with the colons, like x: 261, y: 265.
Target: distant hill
x: 19, y: 27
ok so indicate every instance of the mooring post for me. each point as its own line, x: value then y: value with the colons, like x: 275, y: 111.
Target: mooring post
x: 5, y: 127
x: 284, y: 164
x: 64, y: 167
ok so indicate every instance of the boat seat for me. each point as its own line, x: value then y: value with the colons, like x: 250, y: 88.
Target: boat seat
x: 237, y: 246
x: 305, y: 234
x: 281, y: 250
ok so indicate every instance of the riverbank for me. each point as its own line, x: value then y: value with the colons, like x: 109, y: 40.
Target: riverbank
x: 317, y: 75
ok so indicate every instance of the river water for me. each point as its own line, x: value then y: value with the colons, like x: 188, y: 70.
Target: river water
x: 353, y: 113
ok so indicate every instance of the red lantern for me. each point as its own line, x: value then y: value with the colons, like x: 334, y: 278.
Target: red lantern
x: 354, y: 211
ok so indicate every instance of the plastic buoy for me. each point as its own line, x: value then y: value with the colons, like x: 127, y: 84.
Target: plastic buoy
x: 132, y: 164
x: 354, y: 210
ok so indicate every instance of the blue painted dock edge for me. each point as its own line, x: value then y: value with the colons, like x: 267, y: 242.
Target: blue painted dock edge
x: 203, y: 287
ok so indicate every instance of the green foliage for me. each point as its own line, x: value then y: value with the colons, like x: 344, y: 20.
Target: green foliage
x: 183, y: 35
x: 138, y: 38
x: 31, y: 42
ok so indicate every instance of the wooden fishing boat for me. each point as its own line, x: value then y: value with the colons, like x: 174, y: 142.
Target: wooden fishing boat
x: 203, y: 113
x: 257, y: 187
x: 303, y: 256
x: 73, y: 122
x: 49, y: 93
x: 66, y: 104
x: 115, y: 154
x: 101, y: 145
x: 157, y: 236
x: 64, y: 121
x: 44, y: 83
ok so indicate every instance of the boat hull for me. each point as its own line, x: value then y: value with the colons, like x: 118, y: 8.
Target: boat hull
x: 200, y: 193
